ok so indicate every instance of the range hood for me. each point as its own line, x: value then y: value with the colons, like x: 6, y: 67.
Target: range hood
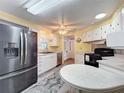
x: 115, y: 40
x: 98, y: 42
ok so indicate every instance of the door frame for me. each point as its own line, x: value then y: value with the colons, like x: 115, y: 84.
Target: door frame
x: 71, y: 37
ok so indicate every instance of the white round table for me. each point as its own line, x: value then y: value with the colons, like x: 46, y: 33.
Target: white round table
x: 90, y: 79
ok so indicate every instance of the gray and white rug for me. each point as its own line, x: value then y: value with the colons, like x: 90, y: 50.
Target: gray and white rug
x: 48, y: 83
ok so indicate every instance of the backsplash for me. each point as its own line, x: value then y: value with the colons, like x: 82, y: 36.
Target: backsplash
x: 119, y: 51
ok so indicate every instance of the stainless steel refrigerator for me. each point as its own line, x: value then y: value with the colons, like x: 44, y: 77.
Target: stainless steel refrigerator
x: 18, y: 58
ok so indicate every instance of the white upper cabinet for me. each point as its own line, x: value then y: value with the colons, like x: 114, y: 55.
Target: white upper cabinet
x: 116, y: 24
x: 84, y: 37
x: 89, y: 36
x: 102, y: 32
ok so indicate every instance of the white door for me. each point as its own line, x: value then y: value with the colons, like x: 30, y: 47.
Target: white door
x: 68, y: 48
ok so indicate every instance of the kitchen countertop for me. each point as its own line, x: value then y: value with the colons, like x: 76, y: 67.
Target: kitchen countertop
x: 91, y: 79
x: 45, y: 53
x: 114, y: 62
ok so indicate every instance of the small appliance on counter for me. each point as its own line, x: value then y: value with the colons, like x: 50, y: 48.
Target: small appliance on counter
x: 91, y: 58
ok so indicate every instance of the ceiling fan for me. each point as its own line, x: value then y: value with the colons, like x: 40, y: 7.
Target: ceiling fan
x: 61, y: 27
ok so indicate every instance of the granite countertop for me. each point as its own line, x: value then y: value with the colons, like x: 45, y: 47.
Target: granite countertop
x: 45, y: 53
x: 88, y: 78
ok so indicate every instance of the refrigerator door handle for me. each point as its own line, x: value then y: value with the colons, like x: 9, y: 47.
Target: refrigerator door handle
x: 21, y: 51
x: 26, y: 48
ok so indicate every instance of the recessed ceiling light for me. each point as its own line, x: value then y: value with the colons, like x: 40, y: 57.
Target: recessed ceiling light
x: 100, y: 16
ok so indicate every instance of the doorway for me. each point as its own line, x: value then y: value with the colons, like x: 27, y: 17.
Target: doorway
x: 69, y: 48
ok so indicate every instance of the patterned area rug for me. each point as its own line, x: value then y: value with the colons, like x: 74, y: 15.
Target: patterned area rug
x: 48, y: 83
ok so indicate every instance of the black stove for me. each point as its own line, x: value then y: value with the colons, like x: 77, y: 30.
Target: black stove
x: 91, y: 58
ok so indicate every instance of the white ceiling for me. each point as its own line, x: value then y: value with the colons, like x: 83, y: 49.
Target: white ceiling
x: 77, y: 13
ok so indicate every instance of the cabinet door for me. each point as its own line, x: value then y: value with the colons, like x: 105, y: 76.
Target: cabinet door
x: 108, y: 28
x: 122, y: 21
x: 88, y: 37
x: 116, y: 24
x: 97, y: 34
x: 84, y: 37
x: 40, y: 64
x: 104, y: 32
x: 79, y: 58
x: 94, y: 35
x: 53, y: 60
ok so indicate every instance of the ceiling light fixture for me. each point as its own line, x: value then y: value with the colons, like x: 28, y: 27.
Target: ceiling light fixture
x: 43, y: 5
x: 62, y: 32
x: 100, y: 16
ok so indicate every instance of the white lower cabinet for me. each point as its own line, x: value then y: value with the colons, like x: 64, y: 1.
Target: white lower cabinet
x: 79, y: 58
x: 46, y: 62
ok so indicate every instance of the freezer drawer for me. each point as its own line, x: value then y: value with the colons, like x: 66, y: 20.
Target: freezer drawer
x: 16, y: 82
